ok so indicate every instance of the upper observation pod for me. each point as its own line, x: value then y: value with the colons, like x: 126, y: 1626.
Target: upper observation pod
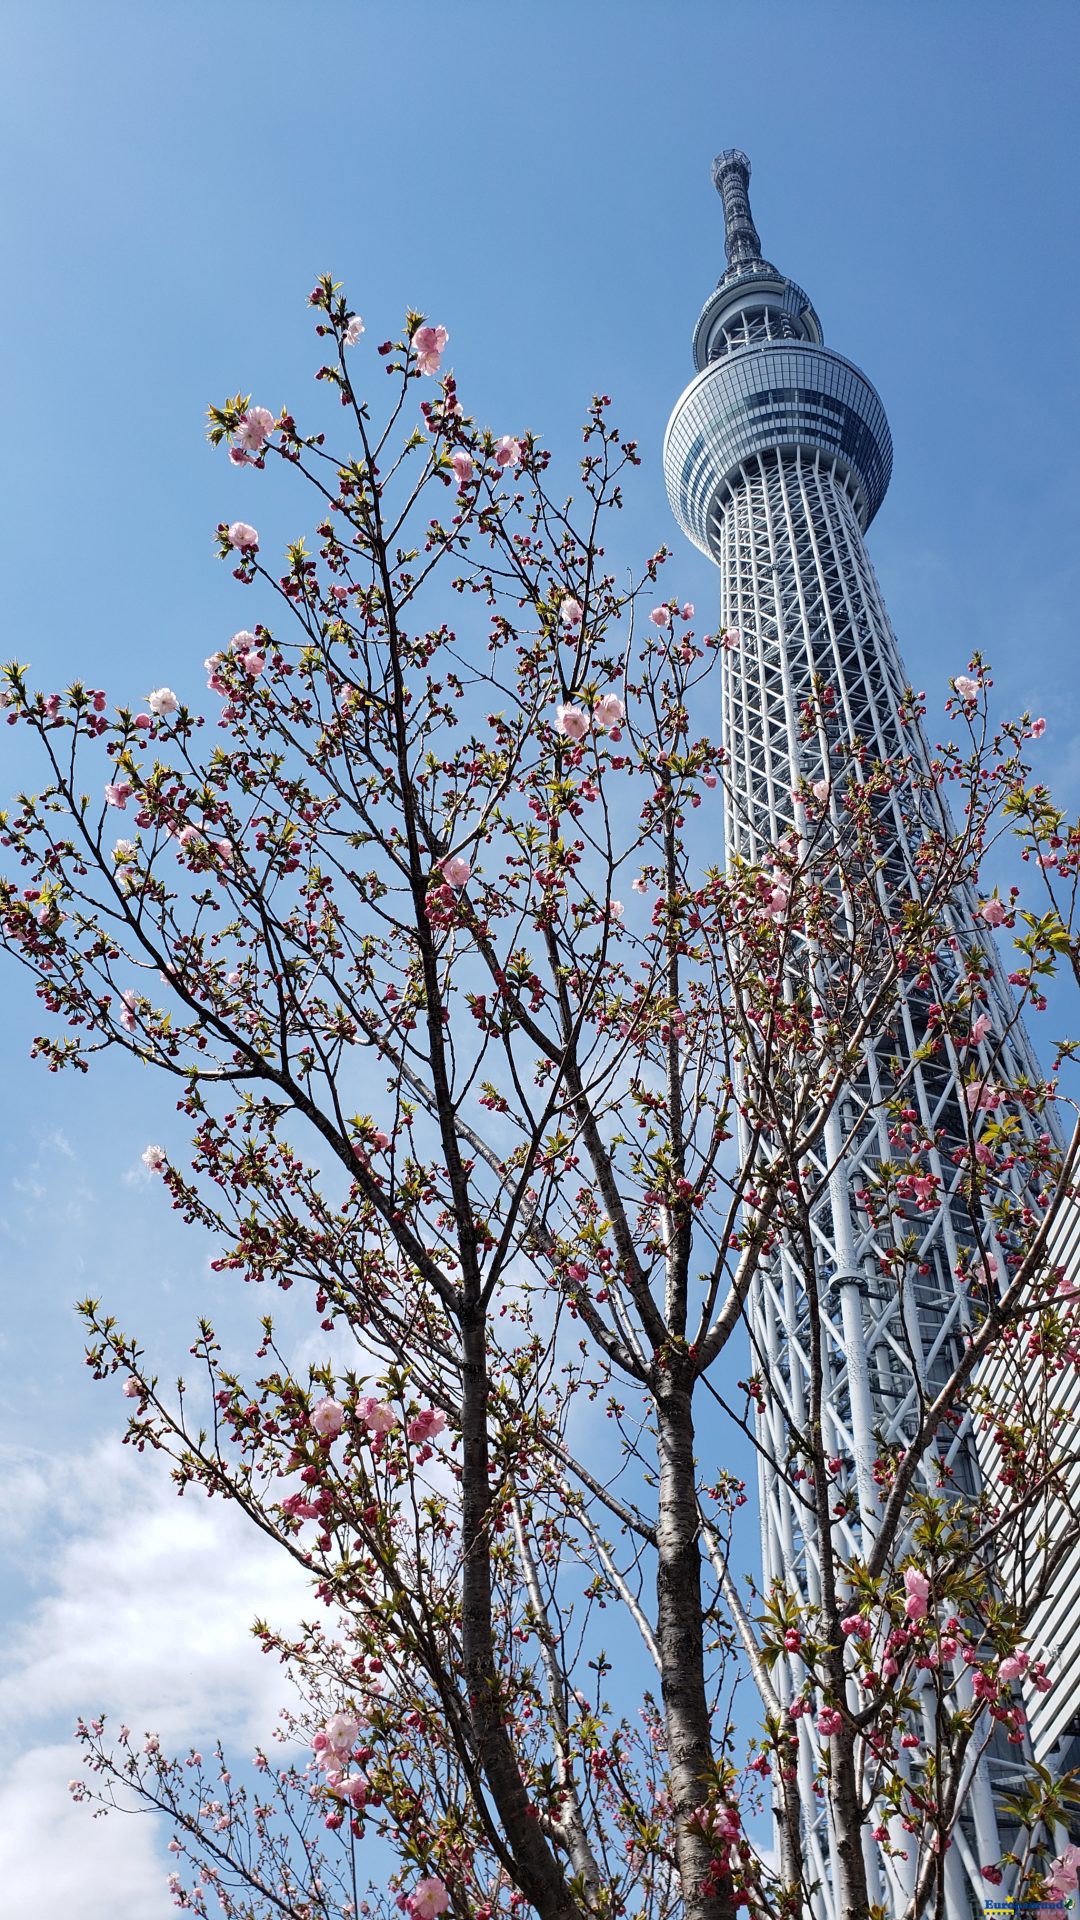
x: 765, y: 383
x: 753, y: 300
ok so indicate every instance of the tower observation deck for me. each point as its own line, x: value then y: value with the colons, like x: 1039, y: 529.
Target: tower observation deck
x: 777, y: 457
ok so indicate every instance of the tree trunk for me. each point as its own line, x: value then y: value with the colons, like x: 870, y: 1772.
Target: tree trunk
x: 852, y: 1894
x: 536, y: 1867
x: 680, y: 1634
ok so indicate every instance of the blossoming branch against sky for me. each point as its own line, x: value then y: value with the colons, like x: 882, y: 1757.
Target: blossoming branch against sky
x: 538, y: 179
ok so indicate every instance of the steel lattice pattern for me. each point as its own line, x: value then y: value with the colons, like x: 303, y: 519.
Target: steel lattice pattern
x: 797, y: 584
x: 776, y: 458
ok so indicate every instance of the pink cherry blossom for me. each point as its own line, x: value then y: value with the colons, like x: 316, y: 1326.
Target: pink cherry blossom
x: 983, y: 1272
x: 1064, y: 1873
x: 162, y: 701
x: 253, y: 663
x: 571, y: 721
x: 118, y: 793
x: 425, y: 1425
x: 213, y: 667
x: 994, y: 912
x: 462, y: 464
x: 983, y: 1098
x: 154, y: 1159
x: 721, y: 1823
x: 730, y: 639
x: 688, y: 610
x: 609, y: 710
x: 428, y: 1898
x: 131, y: 1389
x: 354, y: 327
x: 967, y: 689
x: 130, y: 1001
x: 428, y: 344
x: 661, y: 616
x: 254, y: 429
x: 376, y: 1415
x: 979, y: 1030
x: 615, y: 909
x: 917, y: 1588
x: 1038, y: 728
x: 638, y: 885
x: 328, y: 1417
x: 242, y: 537
x: 571, y: 613
x: 821, y: 790
x: 351, y: 1787
x: 709, y: 779
x: 829, y: 1721
x: 1013, y: 1666
x: 456, y: 871
x: 341, y: 1730
x: 778, y: 898
x: 508, y: 451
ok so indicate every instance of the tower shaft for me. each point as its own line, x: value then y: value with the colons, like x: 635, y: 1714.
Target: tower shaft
x: 776, y: 458
x: 797, y: 585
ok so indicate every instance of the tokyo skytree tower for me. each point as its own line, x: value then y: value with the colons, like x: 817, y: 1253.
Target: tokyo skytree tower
x: 777, y: 457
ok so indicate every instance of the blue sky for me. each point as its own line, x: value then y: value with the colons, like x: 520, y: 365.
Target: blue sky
x: 537, y: 179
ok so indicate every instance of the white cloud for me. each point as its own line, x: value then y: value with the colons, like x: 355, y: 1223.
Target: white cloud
x: 140, y: 1607
x: 55, y: 1859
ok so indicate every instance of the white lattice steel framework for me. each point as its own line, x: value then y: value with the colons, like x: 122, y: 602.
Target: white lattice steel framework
x: 776, y: 458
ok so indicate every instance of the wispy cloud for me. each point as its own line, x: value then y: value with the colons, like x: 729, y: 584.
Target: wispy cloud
x: 141, y: 1608
x: 55, y: 1859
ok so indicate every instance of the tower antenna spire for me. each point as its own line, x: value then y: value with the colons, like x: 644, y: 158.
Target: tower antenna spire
x: 731, y: 178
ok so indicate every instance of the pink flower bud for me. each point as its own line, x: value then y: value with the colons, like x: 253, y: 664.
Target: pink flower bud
x: 917, y: 1588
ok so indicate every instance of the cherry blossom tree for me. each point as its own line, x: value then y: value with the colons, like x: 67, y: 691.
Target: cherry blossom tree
x: 483, y: 1051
